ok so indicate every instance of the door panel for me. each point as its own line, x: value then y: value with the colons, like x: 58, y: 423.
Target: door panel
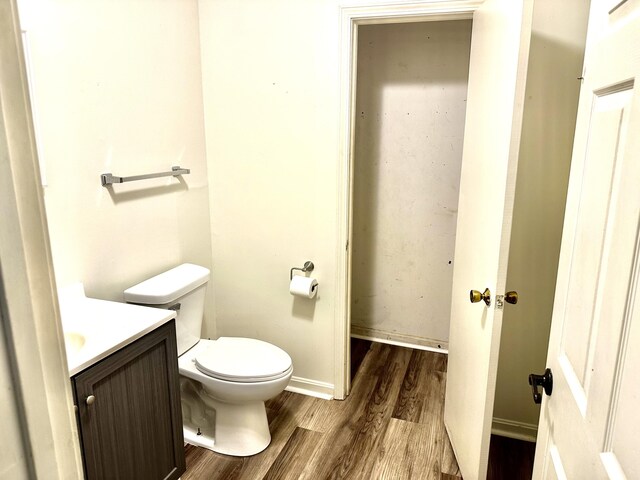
x: 589, y: 424
x: 591, y: 249
x: 592, y: 216
x: 497, y: 72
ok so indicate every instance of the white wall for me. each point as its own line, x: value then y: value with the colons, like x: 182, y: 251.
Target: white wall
x: 270, y: 82
x: 410, y: 109
x: 555, y: 62
x: 117, y: 88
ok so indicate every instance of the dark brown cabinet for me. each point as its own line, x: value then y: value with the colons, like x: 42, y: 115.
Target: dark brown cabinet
x: 129, y: 413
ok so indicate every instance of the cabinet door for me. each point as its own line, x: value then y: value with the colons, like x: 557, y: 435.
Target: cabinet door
x: 133, y: 427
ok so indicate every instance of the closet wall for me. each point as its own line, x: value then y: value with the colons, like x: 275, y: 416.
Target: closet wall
x: 411, y: 100
x: 551, y: 102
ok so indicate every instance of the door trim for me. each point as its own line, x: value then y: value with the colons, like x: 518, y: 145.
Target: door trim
x: 31, y: 319
x: 351, y: 17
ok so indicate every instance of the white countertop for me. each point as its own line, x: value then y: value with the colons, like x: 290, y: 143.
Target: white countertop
x: 95, y: 328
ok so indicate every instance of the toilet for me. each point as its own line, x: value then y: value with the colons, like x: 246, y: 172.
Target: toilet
x: 223, y: 383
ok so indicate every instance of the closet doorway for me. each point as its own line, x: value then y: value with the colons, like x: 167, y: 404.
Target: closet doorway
x: 410, y: 107
x: 494, y: 143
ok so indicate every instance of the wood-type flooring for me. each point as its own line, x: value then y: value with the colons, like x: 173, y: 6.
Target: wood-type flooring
x: 510, y: 459
x: 389, y: 427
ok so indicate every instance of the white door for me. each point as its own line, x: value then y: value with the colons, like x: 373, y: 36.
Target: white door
x: 497, y: 74
x: 589, y: 425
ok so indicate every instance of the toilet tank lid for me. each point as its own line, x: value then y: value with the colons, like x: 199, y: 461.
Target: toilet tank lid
x: 168, y: 286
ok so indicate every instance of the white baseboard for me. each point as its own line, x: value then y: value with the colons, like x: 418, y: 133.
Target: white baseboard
x: 311, y: 388
x: 408, y: 341
x: 512, y: 429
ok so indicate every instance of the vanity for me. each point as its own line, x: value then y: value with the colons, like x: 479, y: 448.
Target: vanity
x: 124, y: 375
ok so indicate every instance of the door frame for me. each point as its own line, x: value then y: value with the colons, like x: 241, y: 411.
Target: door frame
x: 30, y: 315
x: 351, y: 17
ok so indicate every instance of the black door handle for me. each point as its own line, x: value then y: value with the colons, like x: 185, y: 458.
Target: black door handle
x: 545, y: 381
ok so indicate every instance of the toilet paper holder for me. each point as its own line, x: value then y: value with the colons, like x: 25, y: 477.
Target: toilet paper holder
x: 307, y: 267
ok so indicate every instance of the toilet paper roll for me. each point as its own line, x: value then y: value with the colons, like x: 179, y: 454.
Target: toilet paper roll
x: 306, y: 287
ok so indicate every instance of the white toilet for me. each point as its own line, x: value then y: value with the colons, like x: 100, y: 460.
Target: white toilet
x: 223, y: 383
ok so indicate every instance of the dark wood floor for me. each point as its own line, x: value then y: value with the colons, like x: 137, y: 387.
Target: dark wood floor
x: 510, y: 459
x: 389, y: 427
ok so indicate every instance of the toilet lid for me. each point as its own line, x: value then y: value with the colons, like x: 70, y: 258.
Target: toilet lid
x: 243, y: 360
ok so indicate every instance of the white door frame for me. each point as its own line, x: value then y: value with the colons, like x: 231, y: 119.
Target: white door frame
x: 351, y: 17
x: 30, y: 316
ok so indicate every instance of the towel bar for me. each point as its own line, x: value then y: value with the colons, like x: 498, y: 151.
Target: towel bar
x: 109, y: 179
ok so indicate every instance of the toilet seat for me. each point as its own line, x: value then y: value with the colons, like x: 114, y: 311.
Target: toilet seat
x: 243, y: 360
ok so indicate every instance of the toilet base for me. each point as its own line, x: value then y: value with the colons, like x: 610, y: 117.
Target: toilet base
x: 198, y: 437
x: 239, y: 430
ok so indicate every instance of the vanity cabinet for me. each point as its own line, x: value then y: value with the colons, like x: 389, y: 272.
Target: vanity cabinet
x: 129, y: 413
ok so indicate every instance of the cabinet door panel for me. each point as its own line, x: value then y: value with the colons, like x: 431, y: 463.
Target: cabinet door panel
x: 133, y: 429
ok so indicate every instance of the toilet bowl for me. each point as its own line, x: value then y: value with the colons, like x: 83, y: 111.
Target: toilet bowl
x: 241, y: 426
x: 223, y: 383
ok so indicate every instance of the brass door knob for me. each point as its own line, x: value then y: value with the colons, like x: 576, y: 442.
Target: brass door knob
x: 475, y: 296
x: 511, y: 297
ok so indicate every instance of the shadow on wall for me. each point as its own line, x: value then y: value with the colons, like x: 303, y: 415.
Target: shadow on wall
x: 304, y: 308
x: 140, y: 193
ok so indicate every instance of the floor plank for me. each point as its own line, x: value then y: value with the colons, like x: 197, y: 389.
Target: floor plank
x: 349, y: 449
x: 408, y: 451
x: 203, y: 463
x: 325, y: 416
x: 421, y: 397
x: 446, y: 476
x: 293, y: 457
x: 329, y: 415
x: 510, y: 458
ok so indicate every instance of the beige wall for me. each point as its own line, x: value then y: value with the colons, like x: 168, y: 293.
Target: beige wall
x: 271, y: 99
x: 270, y: 82
x: 411, y: 102
x: 555, y: 62
x: 117, y: 88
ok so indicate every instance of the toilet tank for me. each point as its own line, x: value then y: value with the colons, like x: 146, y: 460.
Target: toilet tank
x: 181, y: 289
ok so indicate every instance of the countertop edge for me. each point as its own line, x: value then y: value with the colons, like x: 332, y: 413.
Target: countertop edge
x: 121, y: 344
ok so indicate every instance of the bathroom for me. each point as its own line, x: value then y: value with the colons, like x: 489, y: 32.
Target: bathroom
x: 142, y: 86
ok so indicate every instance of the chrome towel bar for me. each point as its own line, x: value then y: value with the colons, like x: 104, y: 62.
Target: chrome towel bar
x: 109, y: 179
